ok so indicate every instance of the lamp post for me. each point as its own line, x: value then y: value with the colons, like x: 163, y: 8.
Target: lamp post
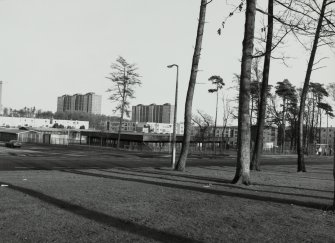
x: 173, y: 157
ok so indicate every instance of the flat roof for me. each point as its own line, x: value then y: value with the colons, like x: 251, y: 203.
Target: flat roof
x: 133, y: 136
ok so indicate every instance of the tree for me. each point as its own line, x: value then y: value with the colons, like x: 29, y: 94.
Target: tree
x: 44, y: 114
x: 287, y: 92
x: 243, y: 139
x: 258, y: 147
x: 5, y: 111
x: 288, y: 23
x: 292, y: 112
x: 181, y: 163
x: 318, y: 92
x: 227, y: 113
x: 331, y: 90
x: 320, y: 27
x: 56, y: 125
x: 217, y: 81
x: 204, y: 122
x: 329, y: 112
x: 254, y: 97
x: 124, y: 78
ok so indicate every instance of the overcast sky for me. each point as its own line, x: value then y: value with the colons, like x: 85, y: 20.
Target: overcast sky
x: 53, y: 47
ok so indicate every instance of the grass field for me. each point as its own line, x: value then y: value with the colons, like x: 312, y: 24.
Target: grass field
x: 145, y: 204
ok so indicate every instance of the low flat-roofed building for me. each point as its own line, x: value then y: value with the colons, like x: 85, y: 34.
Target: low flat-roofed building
x: 16, y: 122
x: 42, y: 135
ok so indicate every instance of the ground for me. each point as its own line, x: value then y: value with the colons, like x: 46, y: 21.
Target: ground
x: 85, y: 194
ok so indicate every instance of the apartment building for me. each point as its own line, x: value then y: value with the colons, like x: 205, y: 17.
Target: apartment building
x: 89, y: 103
x: 153, y: 113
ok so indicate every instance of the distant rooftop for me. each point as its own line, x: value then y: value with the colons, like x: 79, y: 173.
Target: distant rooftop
x: 152, y: 104
x: 89, y: 93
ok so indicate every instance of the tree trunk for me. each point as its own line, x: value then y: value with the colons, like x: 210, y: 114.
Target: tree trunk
x: 122, y: 109
x: 327, y: 135
x: 243, y: 139
x: 320, y: 127
x: 311, y: 140
x: 300, y: 151
x: 189, y: 97
x: 264, y: 91
x: 308, y: 132
x: 252, y: 109
x: 317, y: 124
x: 120, y: 125
x: 283, y: 127
x: 215, y: 122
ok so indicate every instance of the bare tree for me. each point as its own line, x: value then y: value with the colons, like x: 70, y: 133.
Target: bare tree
x: 289, y: 22
x: 204, y: 122
x: 124, y: 78
x: 243, y: 140
x: 321, y: 33
x: 331, y: 90
x: 180, y: 165
x: 227, y: 114
x: 264, y: 90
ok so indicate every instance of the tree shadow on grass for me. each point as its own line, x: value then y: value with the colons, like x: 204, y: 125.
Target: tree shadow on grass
x: 227, y: 185
x: 308, y: 204
x: 102, y: 218
x: 217, y: 180
x: 178, y: 174
x: 218, y: 168
x: 135, y: 173
x: 296, y: 175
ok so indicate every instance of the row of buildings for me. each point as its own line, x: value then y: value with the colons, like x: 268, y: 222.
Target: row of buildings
x: 148, y: 119
x: 91, y: 103
x: 226, y: 134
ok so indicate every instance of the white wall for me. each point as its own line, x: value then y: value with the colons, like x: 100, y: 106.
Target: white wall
x: 6, y: 121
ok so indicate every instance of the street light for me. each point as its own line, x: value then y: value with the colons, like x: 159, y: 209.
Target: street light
x: 173, y: 157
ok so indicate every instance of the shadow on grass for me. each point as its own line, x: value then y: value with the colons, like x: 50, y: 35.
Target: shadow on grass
x: 314, y: 205
x: 226, y: 184
x: 218, y: 180
x: 102, y: 218
x: 136, y: 173
x: 295, y: 175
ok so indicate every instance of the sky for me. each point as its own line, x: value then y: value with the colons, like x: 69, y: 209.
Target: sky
x: 49, y: 48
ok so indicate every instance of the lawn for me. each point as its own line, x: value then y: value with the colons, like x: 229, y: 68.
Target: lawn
x: 156, y: 204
